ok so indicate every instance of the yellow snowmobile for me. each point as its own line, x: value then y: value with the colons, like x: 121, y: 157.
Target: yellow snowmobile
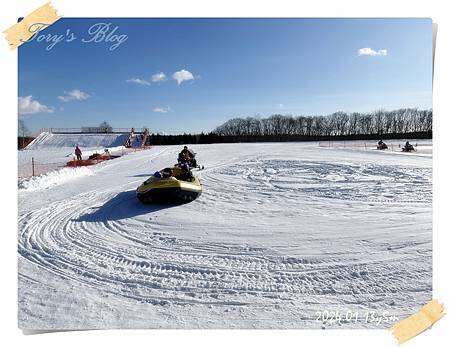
x: 170, y: 184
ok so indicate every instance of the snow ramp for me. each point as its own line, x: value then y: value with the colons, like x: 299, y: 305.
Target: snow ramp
x: 50, y: 140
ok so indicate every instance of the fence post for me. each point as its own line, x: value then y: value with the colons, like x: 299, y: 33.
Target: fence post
x: 32, y: 166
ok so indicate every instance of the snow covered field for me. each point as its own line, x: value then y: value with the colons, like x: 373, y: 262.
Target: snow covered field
x: 281, y: 233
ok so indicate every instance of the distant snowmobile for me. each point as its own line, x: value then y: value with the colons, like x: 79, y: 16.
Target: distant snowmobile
x: 408, y: 147
x: 381, y: 145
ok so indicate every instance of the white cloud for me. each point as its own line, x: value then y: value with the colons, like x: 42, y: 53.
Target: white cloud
x: 27, y: 105
x: 159, y: 77
x: 75, y: 94
x: 371, y: 52
x: 182, y: 75
x: 161, y: 109
x: 138, y: 81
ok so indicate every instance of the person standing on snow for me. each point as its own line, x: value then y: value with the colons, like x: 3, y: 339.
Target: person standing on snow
x: 78, y: 152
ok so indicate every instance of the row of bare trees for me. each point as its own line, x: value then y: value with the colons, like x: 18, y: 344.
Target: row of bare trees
x: 401, y: 121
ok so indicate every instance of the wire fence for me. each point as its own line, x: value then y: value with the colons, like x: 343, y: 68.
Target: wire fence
x: 393, y: 146
x: 91, y: 130
x: 36, y: 167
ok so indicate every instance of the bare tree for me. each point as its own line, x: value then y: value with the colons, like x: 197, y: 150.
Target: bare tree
x: 336, y: 124
x: 23, y: 131
x: 105, y: 127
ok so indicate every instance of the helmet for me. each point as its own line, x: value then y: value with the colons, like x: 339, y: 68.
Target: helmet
x: 157, y: 174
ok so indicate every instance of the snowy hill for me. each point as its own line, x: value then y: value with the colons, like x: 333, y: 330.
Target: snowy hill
x: 51, y: 151
x: 282, y: 231
x: 50, y: 140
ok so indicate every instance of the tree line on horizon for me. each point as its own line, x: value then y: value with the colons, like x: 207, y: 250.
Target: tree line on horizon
x: 400, y: 121
x: 399, y: 124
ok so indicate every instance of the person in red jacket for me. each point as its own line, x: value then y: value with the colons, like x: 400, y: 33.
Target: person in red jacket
x: 78, y: 152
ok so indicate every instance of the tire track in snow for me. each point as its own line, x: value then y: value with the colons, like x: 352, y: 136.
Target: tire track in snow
x: 369, y: 183
x: 123, y: 250
x: 112, y: 243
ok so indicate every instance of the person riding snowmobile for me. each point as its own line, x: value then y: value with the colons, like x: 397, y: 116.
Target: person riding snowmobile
x: 187, y: 156
x: 381, y: 145
x: 186, y: 173
x: 167, y: 172
x: 408, y: 147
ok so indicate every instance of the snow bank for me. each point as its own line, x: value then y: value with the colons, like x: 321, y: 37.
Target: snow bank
x: 49, y: 140
x: 53, y: 178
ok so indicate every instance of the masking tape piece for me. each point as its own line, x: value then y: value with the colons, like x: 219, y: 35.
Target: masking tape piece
x: 418, y: 322
x: 20, y: 32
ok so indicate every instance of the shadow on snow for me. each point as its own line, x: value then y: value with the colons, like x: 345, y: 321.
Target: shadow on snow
x: 123, y: 205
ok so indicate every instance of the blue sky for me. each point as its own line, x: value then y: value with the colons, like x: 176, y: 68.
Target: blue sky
x: 217, y: 69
